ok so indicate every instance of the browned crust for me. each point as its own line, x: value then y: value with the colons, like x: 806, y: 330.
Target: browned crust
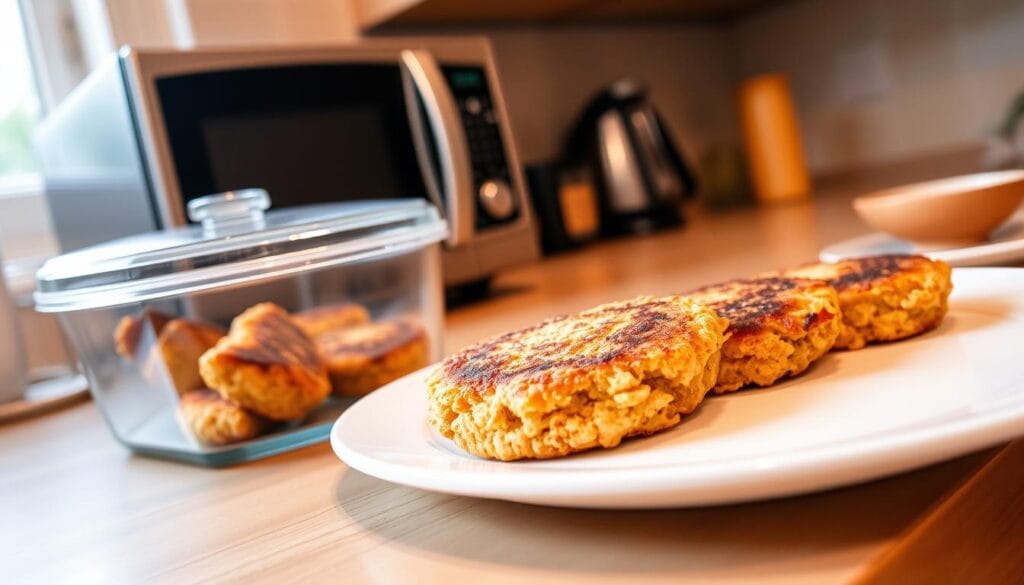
x: 866, y: 273
x: 265, y: 334
x: 369, y: 342
x: 778, y: 326
x: 756, y: 305
x: 216, y: 420
x: 567, y: 345
x: 321, y: 320
x: 580, y: 381
x: 268, y: 365
x: 884, y: 298
x: 204, y: 397
x: 129, y: 330
x: 178, y: 330
x: 180, y: 344
x: 362, y: 358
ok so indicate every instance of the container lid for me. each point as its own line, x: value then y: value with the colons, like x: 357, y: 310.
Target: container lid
x: 235, y: 243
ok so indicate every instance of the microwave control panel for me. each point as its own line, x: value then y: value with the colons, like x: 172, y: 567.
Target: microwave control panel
x: 496, y: 201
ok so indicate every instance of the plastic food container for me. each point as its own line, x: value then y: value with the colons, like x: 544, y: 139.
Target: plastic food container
x: 246, y: 335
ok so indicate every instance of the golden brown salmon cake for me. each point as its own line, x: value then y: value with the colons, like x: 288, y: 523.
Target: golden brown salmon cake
x: 777, y: 327
x: 362, y: 358
x: 132, y: 329
x: 576, y: 382
x: 267, y: 365
x: 215, y: 420
x: 180, y: 344
x: 328, y: 318
x: 884, y: 298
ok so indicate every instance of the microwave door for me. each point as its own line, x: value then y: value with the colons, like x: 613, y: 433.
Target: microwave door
x: 307, y: 133
x: 454, y: 190
x: 424, y: 143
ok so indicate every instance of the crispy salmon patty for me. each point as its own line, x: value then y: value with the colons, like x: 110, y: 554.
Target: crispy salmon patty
x: 777, y: 327
x: 580, y: 381
x: 884, y: 298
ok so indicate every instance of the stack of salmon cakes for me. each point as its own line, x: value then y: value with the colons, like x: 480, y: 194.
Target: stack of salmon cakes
x: 591, y: 379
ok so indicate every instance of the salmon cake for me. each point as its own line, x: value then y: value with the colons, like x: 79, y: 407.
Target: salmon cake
x: 581, y: 381
x: 362, y: 358
x: 777, y: 327
x: 267, y: 365
x: 215, y: 420
x: 884, y: 298
x: 175, y: 361
x: 331, y: 317
x: 132, y: 330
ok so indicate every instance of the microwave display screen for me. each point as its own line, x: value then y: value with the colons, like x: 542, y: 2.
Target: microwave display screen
x: 466, y: 78
x: 306, y: 134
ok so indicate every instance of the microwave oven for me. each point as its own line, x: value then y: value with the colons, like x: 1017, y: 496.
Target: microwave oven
x: 151, y: 129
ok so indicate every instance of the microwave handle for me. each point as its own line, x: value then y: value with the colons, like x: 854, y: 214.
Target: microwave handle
x: 446, y: 123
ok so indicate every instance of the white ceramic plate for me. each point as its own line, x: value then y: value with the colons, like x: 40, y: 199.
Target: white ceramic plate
x: 1005, y: 247
x: 854, y: 416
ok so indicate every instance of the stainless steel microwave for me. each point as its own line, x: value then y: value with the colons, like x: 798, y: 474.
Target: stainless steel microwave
x: 151, y: 129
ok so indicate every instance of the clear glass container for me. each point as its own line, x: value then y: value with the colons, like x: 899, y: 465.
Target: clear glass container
x: 357, y: 300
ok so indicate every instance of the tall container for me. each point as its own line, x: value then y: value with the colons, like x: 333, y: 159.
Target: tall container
x: 771, y: 133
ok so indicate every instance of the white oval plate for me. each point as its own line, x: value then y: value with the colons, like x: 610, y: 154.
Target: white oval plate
x: 853, y: 417
x: 1006, y: 246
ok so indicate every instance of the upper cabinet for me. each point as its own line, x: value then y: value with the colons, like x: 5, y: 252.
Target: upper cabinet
x: 373, y: 14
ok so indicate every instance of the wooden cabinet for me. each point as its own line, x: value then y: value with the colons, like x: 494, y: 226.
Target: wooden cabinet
x: 372, y: 14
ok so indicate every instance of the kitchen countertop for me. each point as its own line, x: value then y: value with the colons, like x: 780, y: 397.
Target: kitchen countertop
x: 77, y: 507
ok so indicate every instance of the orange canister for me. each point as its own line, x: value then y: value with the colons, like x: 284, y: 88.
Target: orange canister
x: 771, y: 134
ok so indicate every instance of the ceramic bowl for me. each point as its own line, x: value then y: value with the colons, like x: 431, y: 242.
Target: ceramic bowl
x: 952, y: 211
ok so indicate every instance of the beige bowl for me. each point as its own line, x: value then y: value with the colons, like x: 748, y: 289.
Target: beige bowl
x: 953, y: 211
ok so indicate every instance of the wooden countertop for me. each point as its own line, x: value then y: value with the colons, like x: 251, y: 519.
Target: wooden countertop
x: 77, y: 507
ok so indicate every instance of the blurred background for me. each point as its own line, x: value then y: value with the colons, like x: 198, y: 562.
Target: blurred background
x: 873, y: 82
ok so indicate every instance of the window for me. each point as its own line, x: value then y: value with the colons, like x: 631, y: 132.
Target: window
x: 19, y: 105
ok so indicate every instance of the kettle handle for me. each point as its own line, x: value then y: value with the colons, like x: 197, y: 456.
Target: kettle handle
x: 615, y: 96
x: 676, y: 159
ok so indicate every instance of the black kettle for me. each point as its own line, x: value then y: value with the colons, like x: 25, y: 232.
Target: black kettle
x: 641, y: 178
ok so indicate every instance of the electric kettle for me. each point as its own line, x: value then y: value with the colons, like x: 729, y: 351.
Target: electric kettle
x: 640, y: 176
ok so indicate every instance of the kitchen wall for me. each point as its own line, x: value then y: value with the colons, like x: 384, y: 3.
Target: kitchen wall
x: 187, y: 23
x: 877, y: 81
x: 549, y: 72
x: 247, y: 21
